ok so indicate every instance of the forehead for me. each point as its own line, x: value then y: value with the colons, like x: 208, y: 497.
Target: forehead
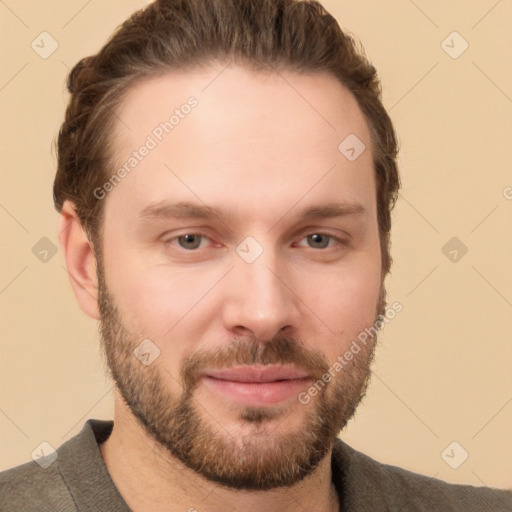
x: 226, y: 133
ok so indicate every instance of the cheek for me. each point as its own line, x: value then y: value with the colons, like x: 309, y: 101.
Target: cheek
x: 153, y: 302
x: 148, y: 299
x: 160, y: 302
x: 346, y: 301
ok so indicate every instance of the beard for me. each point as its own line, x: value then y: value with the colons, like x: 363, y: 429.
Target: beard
x: 254, y: 456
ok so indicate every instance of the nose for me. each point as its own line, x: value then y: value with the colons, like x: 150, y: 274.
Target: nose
x: 260, y: 300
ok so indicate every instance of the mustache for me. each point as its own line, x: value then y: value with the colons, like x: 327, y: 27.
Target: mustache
x: 280, y: 350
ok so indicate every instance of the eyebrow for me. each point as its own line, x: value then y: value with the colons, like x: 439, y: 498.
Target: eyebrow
x: 186, y: 210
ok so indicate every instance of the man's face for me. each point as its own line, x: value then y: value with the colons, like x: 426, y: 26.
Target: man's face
x: 250, y: 307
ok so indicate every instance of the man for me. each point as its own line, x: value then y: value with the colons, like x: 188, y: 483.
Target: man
x: 225, y: 179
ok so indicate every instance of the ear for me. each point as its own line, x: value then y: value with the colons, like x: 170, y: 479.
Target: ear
x: 80, y: 260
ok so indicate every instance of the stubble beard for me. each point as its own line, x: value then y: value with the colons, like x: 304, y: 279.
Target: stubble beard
x: 263, y: 454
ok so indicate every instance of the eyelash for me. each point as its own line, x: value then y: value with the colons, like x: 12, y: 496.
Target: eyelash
x: 340, y: 241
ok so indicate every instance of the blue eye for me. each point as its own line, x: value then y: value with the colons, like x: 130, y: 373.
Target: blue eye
x: 321, y: 239
x: 191, y: 241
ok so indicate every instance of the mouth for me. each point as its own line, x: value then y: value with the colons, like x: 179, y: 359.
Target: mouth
x: 257, y: 385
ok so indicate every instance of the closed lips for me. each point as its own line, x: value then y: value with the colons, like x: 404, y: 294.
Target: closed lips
x: 257, y: 374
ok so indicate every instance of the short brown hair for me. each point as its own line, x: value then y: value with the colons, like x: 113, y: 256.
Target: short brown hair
x: 297, y: 35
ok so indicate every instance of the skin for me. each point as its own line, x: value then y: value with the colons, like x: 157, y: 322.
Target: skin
x: 263, y: 150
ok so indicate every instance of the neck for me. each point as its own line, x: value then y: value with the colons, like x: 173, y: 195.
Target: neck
x: 151, y: 480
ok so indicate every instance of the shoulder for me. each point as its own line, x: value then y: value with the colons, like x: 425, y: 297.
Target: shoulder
x: 32, y: 487
x: 377, y: 483
x: 57, y: 480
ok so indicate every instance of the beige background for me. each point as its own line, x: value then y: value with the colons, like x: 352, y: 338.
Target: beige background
x: 443, y: 370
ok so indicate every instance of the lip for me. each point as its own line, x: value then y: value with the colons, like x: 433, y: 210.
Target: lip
x: 257, y: 385
x: 257, y: 373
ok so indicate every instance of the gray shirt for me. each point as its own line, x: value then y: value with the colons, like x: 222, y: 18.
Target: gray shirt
x: 78, y: 480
